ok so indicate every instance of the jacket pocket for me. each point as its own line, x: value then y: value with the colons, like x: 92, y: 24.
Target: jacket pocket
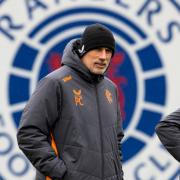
x: 82, y: 160
x: 71, y: 156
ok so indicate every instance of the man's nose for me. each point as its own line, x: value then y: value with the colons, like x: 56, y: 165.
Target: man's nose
x: 103, y: 54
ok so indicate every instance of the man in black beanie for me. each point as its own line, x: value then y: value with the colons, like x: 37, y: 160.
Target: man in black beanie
x: 71, y: 128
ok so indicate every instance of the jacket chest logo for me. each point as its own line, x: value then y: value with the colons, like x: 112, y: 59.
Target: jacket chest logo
x: 78, y: 99
x: 108, y: 96
x: 67, y: 78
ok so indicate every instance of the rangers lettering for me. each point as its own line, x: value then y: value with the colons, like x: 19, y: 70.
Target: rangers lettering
x: 171, y: 28
x: 7, y: 26
x: 146, y: 8
x: 33, y: 5
x: 119, y: 2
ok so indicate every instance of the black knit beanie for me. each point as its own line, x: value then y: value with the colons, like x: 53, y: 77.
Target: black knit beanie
x: 95, y: 36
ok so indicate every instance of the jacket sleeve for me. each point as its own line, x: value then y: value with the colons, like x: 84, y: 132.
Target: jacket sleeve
x: 120, y: 133
x: 168, y: 131
x: 33, y: 134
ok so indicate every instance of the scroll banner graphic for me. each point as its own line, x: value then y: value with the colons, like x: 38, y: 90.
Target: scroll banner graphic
x: 145, y: 68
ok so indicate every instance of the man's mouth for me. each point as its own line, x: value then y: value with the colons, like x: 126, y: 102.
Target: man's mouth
x: 100, y: 65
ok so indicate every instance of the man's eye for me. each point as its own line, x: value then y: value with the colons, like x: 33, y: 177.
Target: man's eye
x: 108, y: 51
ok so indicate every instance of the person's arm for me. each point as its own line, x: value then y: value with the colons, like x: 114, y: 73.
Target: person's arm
x: 119, y: 129
x: 168, y: 131
x: 33, y: 134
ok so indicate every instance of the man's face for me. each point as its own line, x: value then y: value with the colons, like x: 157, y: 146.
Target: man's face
x: 97, y: 60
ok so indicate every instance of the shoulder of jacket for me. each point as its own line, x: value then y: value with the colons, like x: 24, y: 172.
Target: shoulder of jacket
x: 59, y: 74
x: 110, y: 82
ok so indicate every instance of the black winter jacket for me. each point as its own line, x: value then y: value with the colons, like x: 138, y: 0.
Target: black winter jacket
x: 168, y: 131
x: 80, y: 111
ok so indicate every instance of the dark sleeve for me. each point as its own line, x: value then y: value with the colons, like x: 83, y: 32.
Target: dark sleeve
x: 168, y: 131
x: 33, y: 134
x: 120, y: 133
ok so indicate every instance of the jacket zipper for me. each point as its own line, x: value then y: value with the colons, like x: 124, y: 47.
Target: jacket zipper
x: 100, y: 128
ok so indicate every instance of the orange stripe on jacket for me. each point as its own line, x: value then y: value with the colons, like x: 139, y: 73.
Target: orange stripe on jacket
x: 53, y: 145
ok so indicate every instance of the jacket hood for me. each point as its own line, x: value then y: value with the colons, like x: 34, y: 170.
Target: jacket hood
x: 70, y: 58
